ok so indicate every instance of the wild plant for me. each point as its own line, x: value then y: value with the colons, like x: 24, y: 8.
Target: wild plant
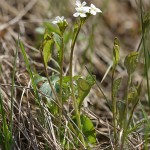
x: 60, y: 88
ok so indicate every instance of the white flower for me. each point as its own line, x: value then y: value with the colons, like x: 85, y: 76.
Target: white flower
x: 59, y: 20
x: 94, y: 10
x: 79, y: 4
x: 81, y: 9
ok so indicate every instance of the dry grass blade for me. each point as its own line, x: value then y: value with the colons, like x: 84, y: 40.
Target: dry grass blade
x: 28, y: 7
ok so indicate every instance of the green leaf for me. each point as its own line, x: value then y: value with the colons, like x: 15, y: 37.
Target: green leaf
x: 116, y: 86
x: 146, y: 21
x: 66, y: 92
x: 136, y: 126
x: 29, y: 69
x: 45, y: 88
x: 51, y: 28
x: 58, y: 42
x: 84, y: 86
x: 121, y: 112
x: 67, y: 36
x: 88, y: 129
x: 66, y: 79
x: 91, y: 79
x: 38, y: 78
x: 131, y: 61
x: 47, y: 48
x: 116, y: 49
x: 133, y: 96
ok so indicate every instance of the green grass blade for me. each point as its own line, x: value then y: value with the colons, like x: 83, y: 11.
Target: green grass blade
x: 145, y: 52
x: 32, y: 80
x: 147, y: 129
x: 29, y: 69
x: 5, y: 131
x: 12, y: 96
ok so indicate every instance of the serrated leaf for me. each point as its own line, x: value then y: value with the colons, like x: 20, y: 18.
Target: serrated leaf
x: 116, y: 50
x: 131, y: 61
x: 47, y: 48
x: 84, y: 86
x: 116, y: 86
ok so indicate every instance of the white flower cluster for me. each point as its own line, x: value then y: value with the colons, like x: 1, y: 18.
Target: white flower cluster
x: 82, y: 10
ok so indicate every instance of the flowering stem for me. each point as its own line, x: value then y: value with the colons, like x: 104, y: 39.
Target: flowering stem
x: 114, y: 107
x: 77, y: 113
x: 61, y: 76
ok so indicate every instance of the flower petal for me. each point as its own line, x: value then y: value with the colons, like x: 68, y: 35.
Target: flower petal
x: 93, y: 12
x: 83, y: 4
x: 54, y: 22
x: 62, y: 18
x: 82, y: 15
x: 76, y: 14
x: 93, y: 6
x: 98, y: 10
x: 82, y: 9
x: 57, y: 18
x: 86, y: 9
x: 78, y: 3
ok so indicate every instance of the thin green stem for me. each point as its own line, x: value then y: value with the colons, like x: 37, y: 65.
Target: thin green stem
x: 71, y: 84
x: 99, y: 87
x: 60, y: 81
x: 4, y: 124
x: 145, y: 53
x: 12, y: 95
x: 131, y: 114
x: 114, y: 107
x: 126, y: 113
x: 61, y: 69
